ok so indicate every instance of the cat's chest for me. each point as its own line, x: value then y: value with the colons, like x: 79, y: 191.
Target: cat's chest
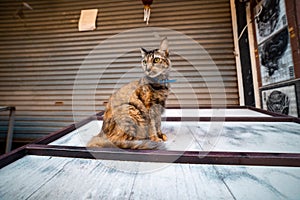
x: 153, y: 95
x: 160, y: 95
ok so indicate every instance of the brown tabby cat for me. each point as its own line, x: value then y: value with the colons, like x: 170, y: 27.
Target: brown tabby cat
x: 132, y: 119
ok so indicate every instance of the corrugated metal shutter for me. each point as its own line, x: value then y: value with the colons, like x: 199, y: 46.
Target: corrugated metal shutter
x: 42, y: 53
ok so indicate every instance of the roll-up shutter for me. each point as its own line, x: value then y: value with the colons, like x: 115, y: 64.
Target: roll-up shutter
x: 53, y: 74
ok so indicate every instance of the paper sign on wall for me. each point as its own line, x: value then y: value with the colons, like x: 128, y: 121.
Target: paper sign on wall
x: 87, y: 20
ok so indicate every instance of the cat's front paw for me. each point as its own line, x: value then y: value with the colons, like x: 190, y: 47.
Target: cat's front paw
x: 163, y: 137
x: 156, y: 139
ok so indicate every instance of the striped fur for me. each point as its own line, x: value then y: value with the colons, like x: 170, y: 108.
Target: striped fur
x: 132, y: 118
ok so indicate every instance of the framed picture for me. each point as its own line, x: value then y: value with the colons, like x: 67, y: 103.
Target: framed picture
x: 274, y: 49
x: 271, y: 18
x: 281, y: 100
x: 275, y: 57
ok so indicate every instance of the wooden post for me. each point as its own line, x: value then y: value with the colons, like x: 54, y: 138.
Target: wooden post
x: 237, y: 53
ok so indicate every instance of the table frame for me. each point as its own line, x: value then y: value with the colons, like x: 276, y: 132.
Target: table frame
x: 41, y: 147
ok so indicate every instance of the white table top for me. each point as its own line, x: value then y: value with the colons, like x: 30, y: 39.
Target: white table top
x: 44, y: 177
x: 281, y: 137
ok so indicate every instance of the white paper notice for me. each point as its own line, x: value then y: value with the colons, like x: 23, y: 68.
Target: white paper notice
x: 87, y: 21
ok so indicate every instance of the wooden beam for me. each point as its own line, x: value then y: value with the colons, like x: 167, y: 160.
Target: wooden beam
x: 237, y: 53
x: 232, y: 119
x: 12, y: 156
x: 251, y: 36
x: 191, y: 157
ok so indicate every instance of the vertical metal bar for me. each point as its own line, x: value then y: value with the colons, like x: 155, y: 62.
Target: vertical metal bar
x: 10, y: 130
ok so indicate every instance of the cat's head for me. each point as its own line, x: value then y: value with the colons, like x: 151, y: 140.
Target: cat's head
x: 156, y: 62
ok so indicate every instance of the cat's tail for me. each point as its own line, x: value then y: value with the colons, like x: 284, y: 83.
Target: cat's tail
x: 104, y: 142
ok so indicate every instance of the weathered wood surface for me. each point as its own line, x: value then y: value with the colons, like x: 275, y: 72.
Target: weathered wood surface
x: 43, y: 177
x: 279, y: 137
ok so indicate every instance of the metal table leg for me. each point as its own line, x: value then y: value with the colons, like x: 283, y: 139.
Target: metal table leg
x: 10, y: 130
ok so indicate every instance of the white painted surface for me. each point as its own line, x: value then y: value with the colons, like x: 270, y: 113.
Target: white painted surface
x: 212, y: 136
x: 43, y: 177
x: 212, y: 113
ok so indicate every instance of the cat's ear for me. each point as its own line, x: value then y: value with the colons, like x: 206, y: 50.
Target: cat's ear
x: 164, y: 46
x: 143, y: 52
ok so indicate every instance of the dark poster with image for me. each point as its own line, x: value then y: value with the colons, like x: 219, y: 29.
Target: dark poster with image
x: 280, y: 100
x: 275, y: 55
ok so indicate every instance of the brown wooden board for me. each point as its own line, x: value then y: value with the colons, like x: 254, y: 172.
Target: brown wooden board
x: 192, y: 157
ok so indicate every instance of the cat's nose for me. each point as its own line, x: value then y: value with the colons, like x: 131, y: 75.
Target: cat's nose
x: 148, y: 68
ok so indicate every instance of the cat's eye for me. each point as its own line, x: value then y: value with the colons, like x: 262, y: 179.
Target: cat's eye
x: 156, y: 60
x: 144, y: 62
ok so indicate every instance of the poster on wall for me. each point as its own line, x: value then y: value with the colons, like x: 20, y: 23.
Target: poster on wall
x: 271, y: 17
x: 280, y: 100
x: 275, y: 56
x: 274, y: 49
